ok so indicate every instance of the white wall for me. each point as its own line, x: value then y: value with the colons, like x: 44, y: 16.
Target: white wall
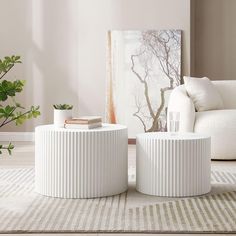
x: 63, y: 46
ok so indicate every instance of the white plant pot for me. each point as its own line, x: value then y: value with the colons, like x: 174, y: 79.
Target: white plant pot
x: 60, y: 116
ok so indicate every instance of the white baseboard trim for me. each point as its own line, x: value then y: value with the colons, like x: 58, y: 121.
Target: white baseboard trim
x: 17, y: 136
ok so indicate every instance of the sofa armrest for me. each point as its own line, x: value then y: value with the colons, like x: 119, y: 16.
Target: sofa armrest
x: 179, y: 101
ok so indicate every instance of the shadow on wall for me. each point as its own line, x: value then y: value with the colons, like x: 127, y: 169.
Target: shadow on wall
x: 46, y: 38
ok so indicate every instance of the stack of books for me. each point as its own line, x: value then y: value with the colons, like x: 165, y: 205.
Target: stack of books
x: 85, y: 122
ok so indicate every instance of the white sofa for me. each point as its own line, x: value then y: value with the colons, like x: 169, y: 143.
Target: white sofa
x: 219, y: 124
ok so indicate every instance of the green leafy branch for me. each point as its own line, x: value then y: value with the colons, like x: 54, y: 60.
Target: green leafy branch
x: 7, y: 64
x: 9, y: 114
x: 8, y: 90
x: 8, y: 148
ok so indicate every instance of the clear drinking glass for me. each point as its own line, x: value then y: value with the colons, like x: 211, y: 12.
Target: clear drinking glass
x: 174, y: 117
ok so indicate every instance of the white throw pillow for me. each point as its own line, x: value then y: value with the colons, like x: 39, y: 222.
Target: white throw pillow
x: 203, y: 93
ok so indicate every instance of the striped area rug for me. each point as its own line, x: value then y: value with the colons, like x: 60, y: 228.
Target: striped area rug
x: 23, y: 211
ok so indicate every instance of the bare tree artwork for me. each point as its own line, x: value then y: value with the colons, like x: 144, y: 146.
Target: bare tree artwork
x: 142, y: 68
x: 162, y: 47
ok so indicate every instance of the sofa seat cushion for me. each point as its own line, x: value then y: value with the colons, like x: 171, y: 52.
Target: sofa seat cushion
x: 221, y: 126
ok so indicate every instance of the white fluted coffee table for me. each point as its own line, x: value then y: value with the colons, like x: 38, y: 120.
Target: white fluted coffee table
x: 73, y: 163
x: 173, y: 164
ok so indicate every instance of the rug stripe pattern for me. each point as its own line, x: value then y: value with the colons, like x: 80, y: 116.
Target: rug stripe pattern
x: 22, y: 210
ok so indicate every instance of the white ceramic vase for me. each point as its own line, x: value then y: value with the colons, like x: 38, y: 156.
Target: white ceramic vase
x: 60, y: 116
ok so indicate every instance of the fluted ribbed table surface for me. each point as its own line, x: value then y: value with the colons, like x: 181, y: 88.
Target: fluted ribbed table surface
x: 76, y: 163
x: 173, y: 164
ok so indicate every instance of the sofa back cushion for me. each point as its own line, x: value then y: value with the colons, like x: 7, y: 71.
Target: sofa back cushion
x: 227, y: 90
x: 204, y: 93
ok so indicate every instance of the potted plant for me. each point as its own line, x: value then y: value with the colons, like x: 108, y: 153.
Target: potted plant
x: 62, y: 112
x: 10, y: 109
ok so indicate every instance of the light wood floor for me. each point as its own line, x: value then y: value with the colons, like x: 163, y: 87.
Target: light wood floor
x: 23, y: 156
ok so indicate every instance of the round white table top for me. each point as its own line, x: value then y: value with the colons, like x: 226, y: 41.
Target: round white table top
x: 105, y: 127
x: 172, y: 136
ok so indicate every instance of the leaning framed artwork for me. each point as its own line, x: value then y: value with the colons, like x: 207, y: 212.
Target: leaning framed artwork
x: 142, y: 69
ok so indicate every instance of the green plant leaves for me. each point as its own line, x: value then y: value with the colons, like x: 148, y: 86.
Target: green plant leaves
x: 7, y: 111
x: 11, y: 113
x: 8, y: 148
x: 19, y: 117
x: 14, y: 112
x: 35, y: 111
x: 8, y: 62
x: 63, y: 106
x: 8, y: 88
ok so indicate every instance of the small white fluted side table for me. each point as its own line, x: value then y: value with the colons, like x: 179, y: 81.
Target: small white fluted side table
x: 173, y: 164
x: 73, y: 163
